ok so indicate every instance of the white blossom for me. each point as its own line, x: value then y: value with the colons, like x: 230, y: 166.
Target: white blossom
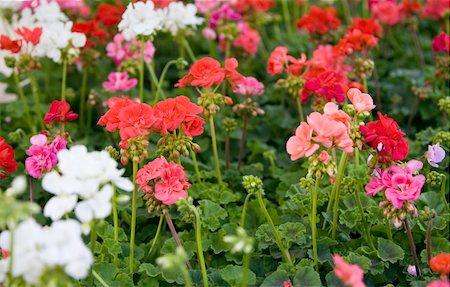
x: 18, y: 185
x: 178, y: 16
x: 96, y: 207
x: 140, y: 19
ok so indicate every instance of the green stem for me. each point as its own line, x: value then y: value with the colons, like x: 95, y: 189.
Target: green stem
x: 388, y: 228
x: 188, y: 48
x: 244, y: 210
x: 300, y: 110
x: 364, y: 81
x: 83, y: 97
x: 159, y: 90
x: 287, y: 17
x: 197, y: 170
x: 365, y: 9
x: 155, y: 81
x: 214, y: 146
x: 346, y: 8
x: 198, y: 239
x: 37, y: 102
x: 246, y: 262
x: 99, y: 279
x: 339, y: 176
x: 443, y: 191
x: 133, y: 218
x: 26, y: 110
x: 283, y: 250
x: 187, y: 278
x: 115, y: 220
x: 141, y: 73
x: 314, y: 194
x: 364, y: 220
x: 63, y: 82
x: 93, y: 241
x: 155, y: 239
x: 242, y: 143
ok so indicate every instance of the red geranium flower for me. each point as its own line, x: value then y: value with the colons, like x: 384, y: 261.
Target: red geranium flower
x: 326, y: 83
x: 409, y: 8
x: 111, y: 118
x: 319, y: 20
x: 355, y: 41
x: 233, y: 76
x: 366, y: 26
x: 13, y: 46
x: 135, y: 120
x: 257, y: 5
x: 441, y: 43
x: 7, y: 161
x: 110, y: 15
x: 386, y: 138
x: 441, y: 264
x: 59, y: 112
x: 277, y: 60
x: 91, y: 30
x: 203, y: 73
x: 30, y: 36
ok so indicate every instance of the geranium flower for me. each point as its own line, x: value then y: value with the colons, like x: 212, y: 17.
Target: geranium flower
x: 355, y: 40
x: 326, y: 83
x: 441, y: 43
x: 224, y: 14
x: 140, y: 19
x: 120, y: 49
x: 441, y: 264
x: 386, y: 12
x: 277, y: 60
x: 300, y: 144
x: 118, y: 81
x: 203, y: 73
x: 109, y: 15
x: 435, y: 154
x: 385, y: 136
x: 361, y: 101
x: 319, y: 20
x: 248, y: 39
x: 439, y: 283
x: 257, y: 5
x: 32, y: 36
x: 205, y: 6
x: 435, y: 9
x: 41, y: 155
x: 351, y: 275
x: 7, y: 162
x: 59, y: 112
x: 135, y: 120
x: 178, y: 16
x: 233, y: 77
x: 249, y: 86
x: 366, y: 26
x: 91, y: 30
x: 14, y: 46
x: 111, y: 118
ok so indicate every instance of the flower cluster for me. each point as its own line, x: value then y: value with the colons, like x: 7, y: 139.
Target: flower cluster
x: 85, y: 175
x: 59, y: 113
x: 7, y: 162
x: 42, y: 154
x: 119, y: 82
x: 319, y: 20
x: 120, y: 50
x: 168, y: 178
x: 361, y: 36
x: 38, y: 250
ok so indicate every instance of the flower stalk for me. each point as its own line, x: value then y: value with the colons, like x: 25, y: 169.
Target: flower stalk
x: 141, y: 73
x: 314, y: 194
x: 242, y: 143
x: 412, y: 246
x: 155, y: 239
x: 26, y: 110
x: 64, y: 78
x: 214, y: 146
x: 198, y: 239
x: 37, y: 102
x: 115, y: 220
x: 133, y: 217
x: 174, y: 233
x: 83, y: 97
x: 246, y: 262
x: 340, y: 174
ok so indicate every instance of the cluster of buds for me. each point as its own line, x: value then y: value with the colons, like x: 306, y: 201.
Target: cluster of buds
x: 293, y: 84
x: 130, y: 65
x: 427, y: 214
x: 320, y: 165
x: 306, y: 183
x: 185, y: 206
x: 172, y: 146
x: 88, y: 56
x: 398, y: 216
x: 376, y: 161
x: 421, y: 93
x: 362, y: 68
x: 349, y: 184
x: 434, y: 178
x: 443, y: 138
x: 211, y: 102
x: 356, y: 136
x: 252, y: 184
x: 94, y: 98
x: 16, y: 136
x: 442, y: 70
x: 318, y: 103
x: 136, y: 150
x: 248, y: 107
x: 229, y: 124
x: 240, y: 243
x: 444, y: 105
x: 173, y: 260
x: 113, y: 152
x: 153, y: 204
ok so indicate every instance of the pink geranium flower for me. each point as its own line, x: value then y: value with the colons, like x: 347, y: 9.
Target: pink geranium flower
x: 300, y: 144
x: 118, y: 81
x: 351, y: 275
x: 435, y: 154
x: 361, y: 101
x: 387, y: 12
x: 249, y: 87
x: 41, y: 156
x: 120, y: 49
x: 441, y: 43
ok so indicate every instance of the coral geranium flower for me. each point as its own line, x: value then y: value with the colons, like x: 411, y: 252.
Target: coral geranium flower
x: 441, y: 264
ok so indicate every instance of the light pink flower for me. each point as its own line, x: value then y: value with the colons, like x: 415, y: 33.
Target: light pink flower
x: 120, y: 49
x: 249, y: 87
x: 300, y: 144
x: 435, y: 154
x: 118, y: 81
x: 387, y: 12
x: 324, y: 157
x: 439, y: 283
x: 209, y: 34
x: 351, y: 275
x: 331, y: 110
x: 361, y: 101
x: 204, y: 6
x: 412, y: 270
x: 375, y: 184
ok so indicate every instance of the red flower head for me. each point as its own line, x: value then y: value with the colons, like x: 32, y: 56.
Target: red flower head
x: 7, y: 162
x: 233, y: 76
x: 257, y: 5
x: 435, y: 9
x: 366, y: 26
x: 386, y: 138
x: 326, y: 83
x: 59, y: 112
x: 135, y: 120
x: 203, y: 73
x: 30, y: 36
x: 355, y: 41
x: 441, y: 264
x: 441, y: 43
x: 277, y: 60
x: 13, y: 46
x: 111, y: 118
x: 319, y: 20
x: 408, y: 8
x: 110, y: 15
x: 91, y: 30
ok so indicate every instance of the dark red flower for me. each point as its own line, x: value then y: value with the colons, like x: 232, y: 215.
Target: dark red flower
x: 91, y: 30
x: 441, y: 43
x: 32, y: 36
x: 59, y: 112
x: 7, y: 162
x: 386, y: 138
x: 319, y: 20
x: 110, y: 15
x: 13, y: 46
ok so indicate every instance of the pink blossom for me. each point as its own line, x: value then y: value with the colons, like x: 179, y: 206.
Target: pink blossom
x: 361, y: 101
x: 287, y: 283
x: 326, y: 58
x: 435, y: 154
x: 412, y: 270
x: 351, y: 275
x: 435, y: 9
x: 248, y: 39
x: 209, y: 34
x: 41, y: 156
x: 205, y: 6
x: 224, y: 13
x: 441, y: 43
x: 249, y: 87
x: 332, y: 111
x: 324, y: 157
x: 387, y: 12
x: 120, y: 49
x: 73, y: 5
x: 300, y: 144
x: 439, y: 283
x: 118, y: 81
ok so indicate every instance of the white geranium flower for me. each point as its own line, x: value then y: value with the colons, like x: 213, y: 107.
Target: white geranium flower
x: 4, y: 264
x: 140, y: 19
x: 48, y: 13
x: 18, y: 185
x: 178, y: 16
x: 97, y: 207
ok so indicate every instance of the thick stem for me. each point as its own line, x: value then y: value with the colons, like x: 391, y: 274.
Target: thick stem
x: 115, y: 220
x: 364, y: 220
x: 197, y: 170
x: 334, y: 187
x: 37, y: 102
x: 364, y: 81
x: 283, y: 250
x: 63, y: 82
x: 244, y: 210
x: 365, y: 8
x: 242, y: 144
x: 83, y: 97
x: 187, y: 278
x: 339, y: 176
x: 227, y: 150
x: 141, y: 73
x: 30, y: 183
x: 429, y: 229
x: 25, y: 107
x: 175, y: 234
x: 300, y: 110
x: 187, y: 46
x: 99, y: 279
x: 93, y: 241
x: 245, y: 264
x: 198, y: 239
x: 412, y: 247
x: 313, y: 222
x: 155, y: 239
x: 133, y: 217
x: 417, y: 45
x: 214, y: 146
x: 443, y: 191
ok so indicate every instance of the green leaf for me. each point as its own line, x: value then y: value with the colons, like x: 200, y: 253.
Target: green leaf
x: 292, y: 232
x: 211, y: 214
x: 149, y: 269
x: 107, y: 271
x: 232, y: 274
x: 275, y: 279
x: 389, y: 251
x: 122, y: 280
x: 111, y: 247
x: 362, y: 261
x: 264, y: 236
x: 307, y: 276
x: 148, y: 282
x: 217, y: 243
